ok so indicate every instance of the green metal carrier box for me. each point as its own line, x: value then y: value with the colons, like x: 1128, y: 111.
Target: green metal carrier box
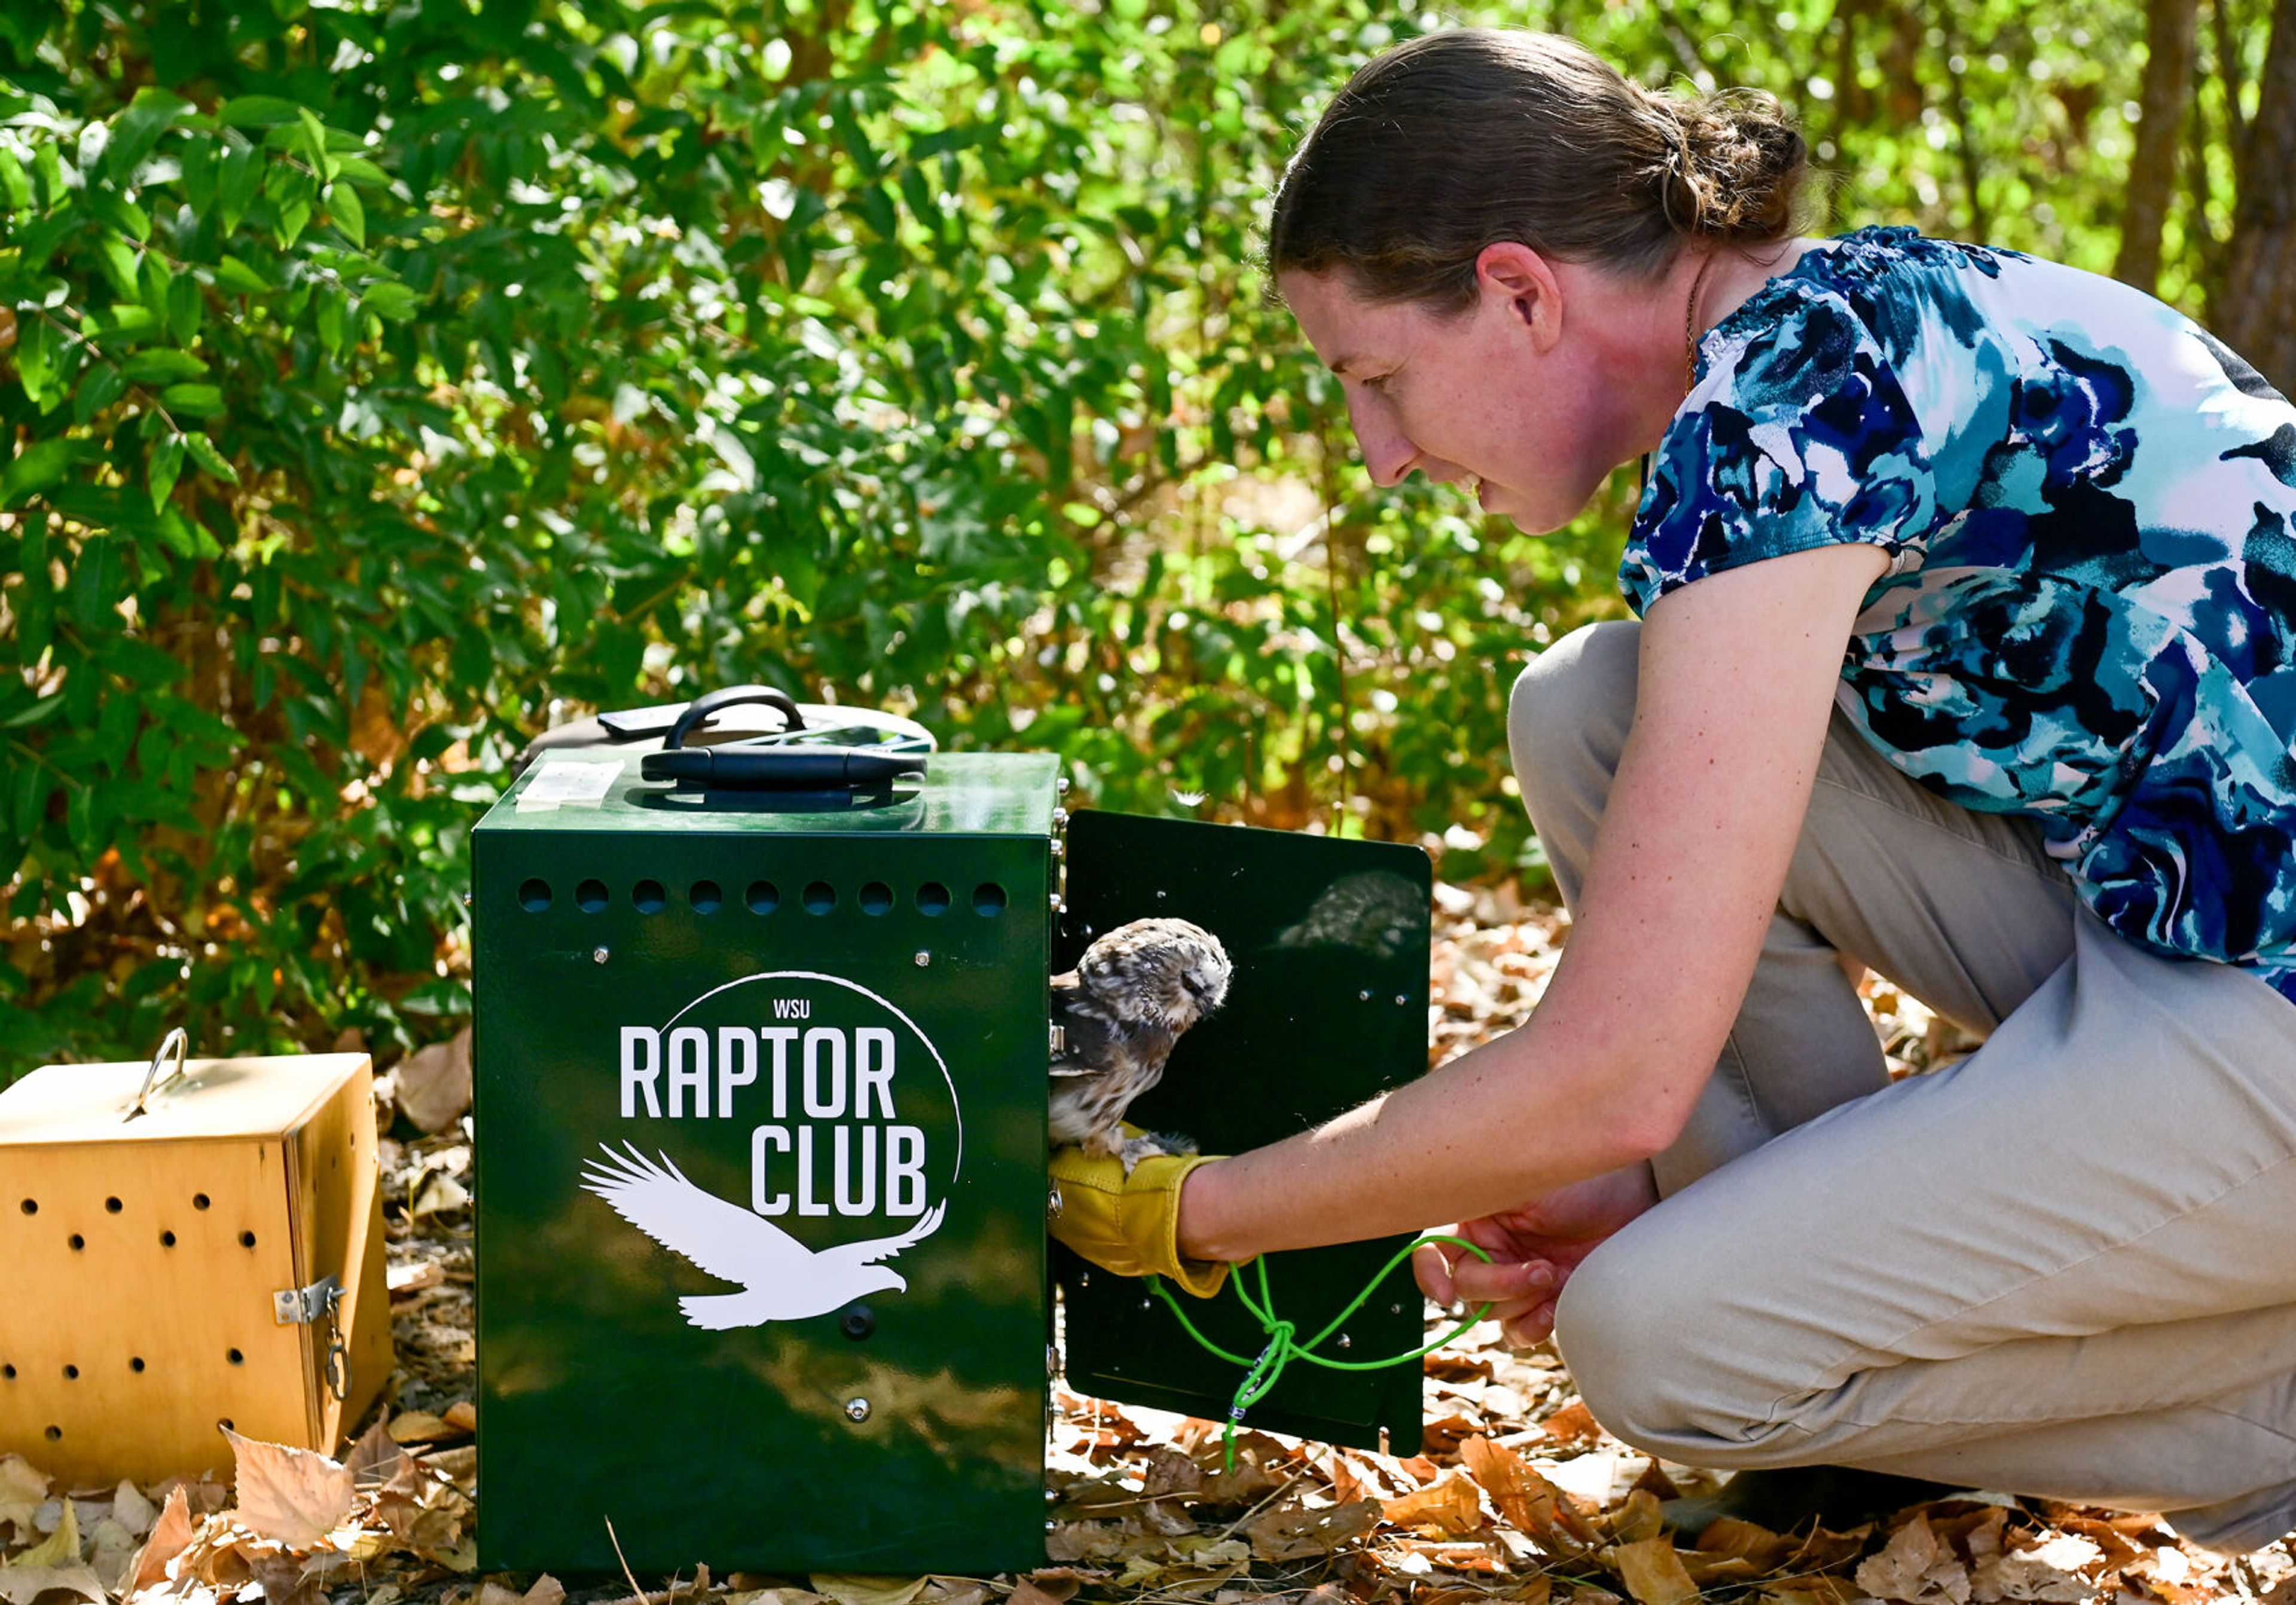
x: 763, y: 1278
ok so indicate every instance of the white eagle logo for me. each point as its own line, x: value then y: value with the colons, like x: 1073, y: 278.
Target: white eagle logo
x: 782, y: 1279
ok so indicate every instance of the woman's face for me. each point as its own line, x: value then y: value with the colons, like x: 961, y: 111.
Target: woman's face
x: 1485, y: 397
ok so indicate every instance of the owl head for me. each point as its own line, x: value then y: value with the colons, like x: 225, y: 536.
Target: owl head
x: 1159, y: 972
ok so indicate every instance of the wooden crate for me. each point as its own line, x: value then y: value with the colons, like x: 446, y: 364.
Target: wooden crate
x: 145, y: 1256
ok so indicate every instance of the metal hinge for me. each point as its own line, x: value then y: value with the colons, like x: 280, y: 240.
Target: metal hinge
x: 302, y: 1307
x: 1060, y: 1040
x: 308, y: 1307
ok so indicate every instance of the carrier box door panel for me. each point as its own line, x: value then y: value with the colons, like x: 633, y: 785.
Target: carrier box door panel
x: 1327, y: 1007
x: 760, y: 1129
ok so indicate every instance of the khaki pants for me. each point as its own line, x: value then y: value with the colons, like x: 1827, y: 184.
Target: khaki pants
x: 2065, y: 1266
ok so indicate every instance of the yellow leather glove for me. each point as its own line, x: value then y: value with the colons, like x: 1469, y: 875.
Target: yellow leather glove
x: 1128, y: 1224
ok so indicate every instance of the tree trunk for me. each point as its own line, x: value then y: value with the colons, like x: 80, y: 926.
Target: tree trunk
x: 2171, y: 38
x: 2260, y: 292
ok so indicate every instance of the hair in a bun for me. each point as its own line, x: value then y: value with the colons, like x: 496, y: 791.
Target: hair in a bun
x: 1464, y: 138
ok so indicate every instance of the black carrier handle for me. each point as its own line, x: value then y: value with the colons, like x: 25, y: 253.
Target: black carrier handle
x: 731, y: 696
x: 783, y: 761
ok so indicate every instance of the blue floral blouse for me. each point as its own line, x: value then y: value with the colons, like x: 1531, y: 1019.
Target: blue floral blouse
x: 2090, y: 615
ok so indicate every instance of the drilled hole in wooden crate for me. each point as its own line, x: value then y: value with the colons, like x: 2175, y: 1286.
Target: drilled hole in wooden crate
x: 111, y: 1206
x: 167, y: 1240
x: 247, y: 1239
x: 135, y: 1363
x: 31, y: 1206
x: 53, y: 1433
x: 71, y: 1374
x: 235, y: 1357
x: 7, y: 1373
x: 227, y: 1424
x: 200, y: 1200
x: 77, y: 1242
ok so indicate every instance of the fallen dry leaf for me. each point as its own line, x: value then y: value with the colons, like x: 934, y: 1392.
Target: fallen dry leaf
x: 1447, y: 1505
x: 131, y: 1510
x: 1574, y: 1423
x: 292, y: 1496
x: 372, y: 1457
x: 1637, y: 1518
x: 1532, y: 1505
x: 111, y: 1548
x: 1729, y: 1536
x: 418, y: 1427
x: 1286, y: 1531
x: 441, y: 1194
x: 22, y: 1487
x: 434, y: 1083
x: 170, y: 1536
x: 21, y: 1585
x: 2116, y: 1545
x: 288, y: 1579
x: 59, y: 1548
x: 2051, y: 1572
x: 423, y: 1273
x: 1916, y: 1568
x: 1652, y: 1572
x: 1025, y: 1592
x: 547, y: 1590
x: 1811, y: 1590
x: 853, y: 1588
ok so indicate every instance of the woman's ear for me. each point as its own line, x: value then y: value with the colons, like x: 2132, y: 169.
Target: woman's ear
x: 1513, y: 274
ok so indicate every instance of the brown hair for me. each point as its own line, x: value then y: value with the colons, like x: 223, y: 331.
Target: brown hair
x: 1462, y: 139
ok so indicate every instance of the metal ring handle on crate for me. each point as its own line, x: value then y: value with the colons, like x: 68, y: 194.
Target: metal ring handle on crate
x: 175, y: 1044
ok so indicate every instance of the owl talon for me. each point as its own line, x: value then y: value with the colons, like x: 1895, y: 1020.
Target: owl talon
x: 1148, y: 1145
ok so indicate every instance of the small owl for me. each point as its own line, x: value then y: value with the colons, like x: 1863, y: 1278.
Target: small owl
x: 1119, y: 1011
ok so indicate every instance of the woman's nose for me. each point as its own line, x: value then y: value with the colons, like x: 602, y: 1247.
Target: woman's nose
x: 1387, y: 451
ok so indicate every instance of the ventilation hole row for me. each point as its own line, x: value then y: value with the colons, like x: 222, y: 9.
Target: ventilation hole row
x: 763, y: 897
x: 55, y: 1435
x: 166, y: 1238
x: 135, y: 1363
x: 112, y: 1206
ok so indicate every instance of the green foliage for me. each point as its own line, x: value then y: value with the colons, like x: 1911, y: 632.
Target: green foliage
x: 382, y: 383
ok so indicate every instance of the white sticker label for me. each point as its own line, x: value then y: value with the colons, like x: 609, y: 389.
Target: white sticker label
x: 563, y: 780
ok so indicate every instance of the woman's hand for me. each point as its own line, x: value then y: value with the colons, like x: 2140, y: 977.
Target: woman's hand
x: 1533, y: 1251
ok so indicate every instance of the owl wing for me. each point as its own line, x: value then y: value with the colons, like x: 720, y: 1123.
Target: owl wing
x: 723, y: 1238
x: 1088, y: 1036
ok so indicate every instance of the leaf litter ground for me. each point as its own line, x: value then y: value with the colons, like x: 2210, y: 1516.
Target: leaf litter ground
x: 1517, y: 1496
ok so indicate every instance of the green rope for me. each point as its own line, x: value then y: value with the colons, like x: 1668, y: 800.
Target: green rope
x: 1261, y: 1373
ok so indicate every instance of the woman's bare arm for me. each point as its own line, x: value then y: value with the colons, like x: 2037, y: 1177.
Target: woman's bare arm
x: 1737, y: 684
